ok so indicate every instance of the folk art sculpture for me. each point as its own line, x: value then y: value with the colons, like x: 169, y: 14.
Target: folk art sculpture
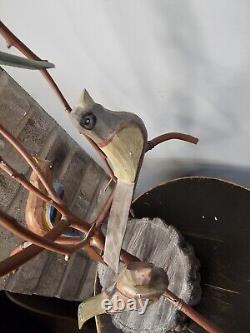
x: 121, y: 140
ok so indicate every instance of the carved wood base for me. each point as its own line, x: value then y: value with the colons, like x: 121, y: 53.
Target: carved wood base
x: 157, y: 242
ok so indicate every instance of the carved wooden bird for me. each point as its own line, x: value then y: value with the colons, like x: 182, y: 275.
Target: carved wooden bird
x: 122, y: 138
x: 138, y: 281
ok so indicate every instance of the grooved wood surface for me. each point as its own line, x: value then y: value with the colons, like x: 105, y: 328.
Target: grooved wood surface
x: 154, y: 241
x: 48, y: 274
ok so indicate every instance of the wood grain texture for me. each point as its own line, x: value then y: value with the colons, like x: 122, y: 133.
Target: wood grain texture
x: 117, y: 223
x: 124, y: 153
x: 48, y: 274
x: 161, y: 244
x: 35, y: 207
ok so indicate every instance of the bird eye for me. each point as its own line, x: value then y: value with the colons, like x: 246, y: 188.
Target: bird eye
x: 88, y: 121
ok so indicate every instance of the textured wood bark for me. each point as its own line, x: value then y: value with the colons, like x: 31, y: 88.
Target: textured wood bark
x: 155, y: 241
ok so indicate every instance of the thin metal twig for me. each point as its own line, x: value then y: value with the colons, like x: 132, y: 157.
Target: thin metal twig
x: 170, y: 136
x: 31, y: 161
x: 12, y: 40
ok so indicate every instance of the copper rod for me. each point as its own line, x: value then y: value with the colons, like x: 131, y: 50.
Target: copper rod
x: 31, y: 161
x: 199, y: 319
x: 170, y: 136
x: 98, y: 241
x: 74, y: 221
x: 70, y: 245
x: 63, y: 209
x: 19, y: 230
x: 11, y: 263
x: 12, y: 40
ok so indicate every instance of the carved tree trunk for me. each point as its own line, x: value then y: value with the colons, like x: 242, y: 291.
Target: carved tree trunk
x: 161, y: 244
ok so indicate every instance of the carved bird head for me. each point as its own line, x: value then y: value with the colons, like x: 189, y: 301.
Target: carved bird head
x: 120, y: 135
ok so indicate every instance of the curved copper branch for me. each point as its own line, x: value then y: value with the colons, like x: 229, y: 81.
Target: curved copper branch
x: 74, y: 221
x: 91, y: 230
x: 12, y: 40
x: 19, y: 230
x: 31, y: 161
x: 69, y: 245
x: 11, y: 263
x: 170, y: 136
x: 206, y: 324
x: 63, y: 209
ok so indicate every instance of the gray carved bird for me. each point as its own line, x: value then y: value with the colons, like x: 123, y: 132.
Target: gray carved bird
x: 122, y: 138
x: 141, y: 282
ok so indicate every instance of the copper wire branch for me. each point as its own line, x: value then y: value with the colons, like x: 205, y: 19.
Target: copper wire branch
x: 12, y: 40
x: 19, y: 230
x: 13, y: 262
x: 199, y: 319
x: 171, y: 136
x: 62, y: 208
x: 31, y: 161
x: 73, y: 220
x: 97, y: 241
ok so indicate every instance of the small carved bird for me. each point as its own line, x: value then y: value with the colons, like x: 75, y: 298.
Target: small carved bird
x: 138, y: 281
x: 122, y: 138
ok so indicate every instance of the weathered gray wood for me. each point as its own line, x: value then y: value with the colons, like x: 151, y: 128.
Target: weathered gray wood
x: 117, y: 223
x: 156, y: 242
x: 48, y: 274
